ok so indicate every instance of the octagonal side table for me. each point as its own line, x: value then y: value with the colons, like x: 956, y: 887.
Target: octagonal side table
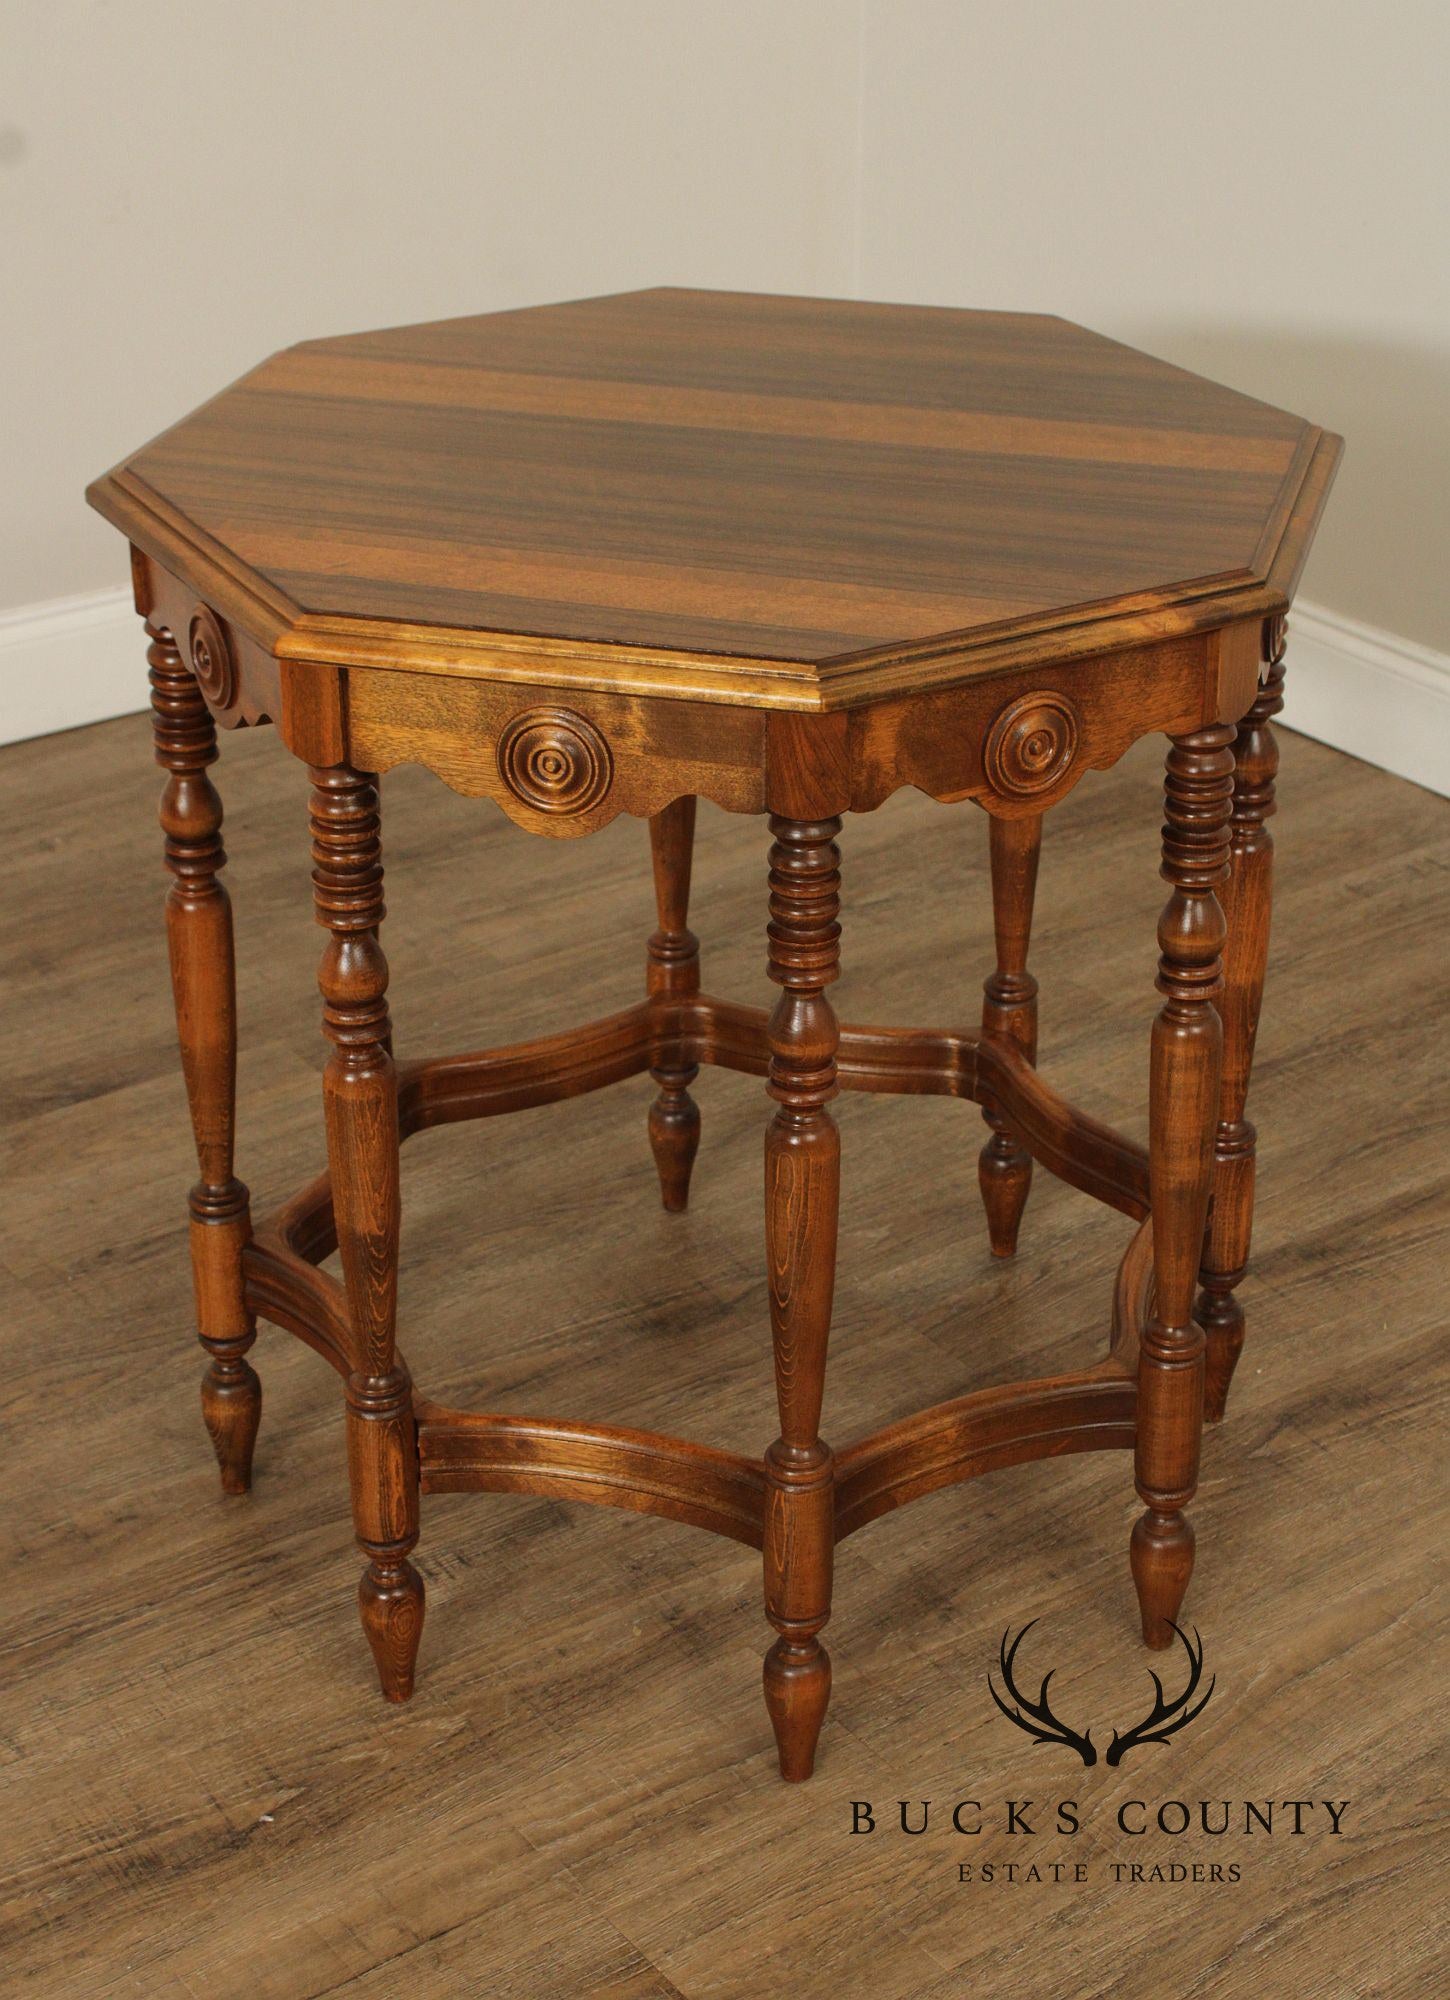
x: 789, y: 555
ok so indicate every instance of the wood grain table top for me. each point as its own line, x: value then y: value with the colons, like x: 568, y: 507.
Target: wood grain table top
x: 712, y: 492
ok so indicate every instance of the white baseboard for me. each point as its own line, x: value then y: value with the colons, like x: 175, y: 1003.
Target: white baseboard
x: 71, y: 661
x: 1385, y: 699
x: 1369, y: 692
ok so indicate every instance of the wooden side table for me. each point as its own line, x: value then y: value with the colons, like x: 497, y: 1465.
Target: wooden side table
x: 788, y: 555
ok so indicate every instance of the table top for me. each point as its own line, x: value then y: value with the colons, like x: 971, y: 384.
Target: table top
x: 707, y: 486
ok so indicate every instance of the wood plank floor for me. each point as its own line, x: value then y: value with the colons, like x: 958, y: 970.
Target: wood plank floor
x: 203, y: 1793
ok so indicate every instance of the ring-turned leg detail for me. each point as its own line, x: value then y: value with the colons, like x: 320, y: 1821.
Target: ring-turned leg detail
x: 203, y: 984
x: 1004, y: 1168
x: 1183, y: 1111
x: 674, y: 969
x: 361, y: 1099
x: 382, y: 1464
x: 1246, y: 897
x: 802, y: 1201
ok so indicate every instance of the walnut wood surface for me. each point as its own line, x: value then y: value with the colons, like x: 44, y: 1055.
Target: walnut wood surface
x: 580, y: 562
x: 1187, y: 1051
x: 563, y: 760
x: 802, y: 1209
x: 210, y: 1795
x: 992, y: 1428
x: 1245, y: 897
x: 463, y: 1451
x: 203, y: 984
x: 745, y: 497
x: 361, y: 1101
x: 673, y: 970
x: 284, y: 1284
x: 1009, y: 1008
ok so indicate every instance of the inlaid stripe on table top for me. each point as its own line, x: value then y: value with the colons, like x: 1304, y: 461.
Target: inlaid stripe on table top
x: 308, y: 371
x: 927, y: 357
x: 737, y: 541
x: 696, y: 491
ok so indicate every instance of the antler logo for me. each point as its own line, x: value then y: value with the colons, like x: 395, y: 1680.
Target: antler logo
x: 1166, y: 1718
x: 1035, y: 1716
x: 1163, y: 1720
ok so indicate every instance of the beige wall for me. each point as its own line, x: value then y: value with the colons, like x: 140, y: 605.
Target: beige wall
x: 186, y: 185
x: 1258, y: 189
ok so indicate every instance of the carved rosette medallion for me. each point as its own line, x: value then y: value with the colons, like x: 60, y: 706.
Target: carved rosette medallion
x: 555, y: 761
x: 211, y: 659
x: 1032, y: 744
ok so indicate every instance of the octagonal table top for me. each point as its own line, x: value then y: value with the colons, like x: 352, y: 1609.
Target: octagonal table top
x: 711, y: 492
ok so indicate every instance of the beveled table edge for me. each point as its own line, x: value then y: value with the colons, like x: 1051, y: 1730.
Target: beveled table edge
x: 268, y: 616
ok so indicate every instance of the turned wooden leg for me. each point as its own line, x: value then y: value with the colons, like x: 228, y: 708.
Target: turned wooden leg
x: 203, y: 984
x: 802, y: 1200
x: 361, y: 1101
x: 674, y: 969
x: 1246, y: 897
x: 1004, y: 1168
x: 1183, y: 1111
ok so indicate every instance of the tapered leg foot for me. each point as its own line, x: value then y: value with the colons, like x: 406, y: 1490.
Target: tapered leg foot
x: 674, y: 1135
x: 1161, y: 1553
x: 1004, y: 1174
x: 231, y: 1407
x: 1222, y: 1318
x: 797, y: 1691
x: 390, y: 1598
